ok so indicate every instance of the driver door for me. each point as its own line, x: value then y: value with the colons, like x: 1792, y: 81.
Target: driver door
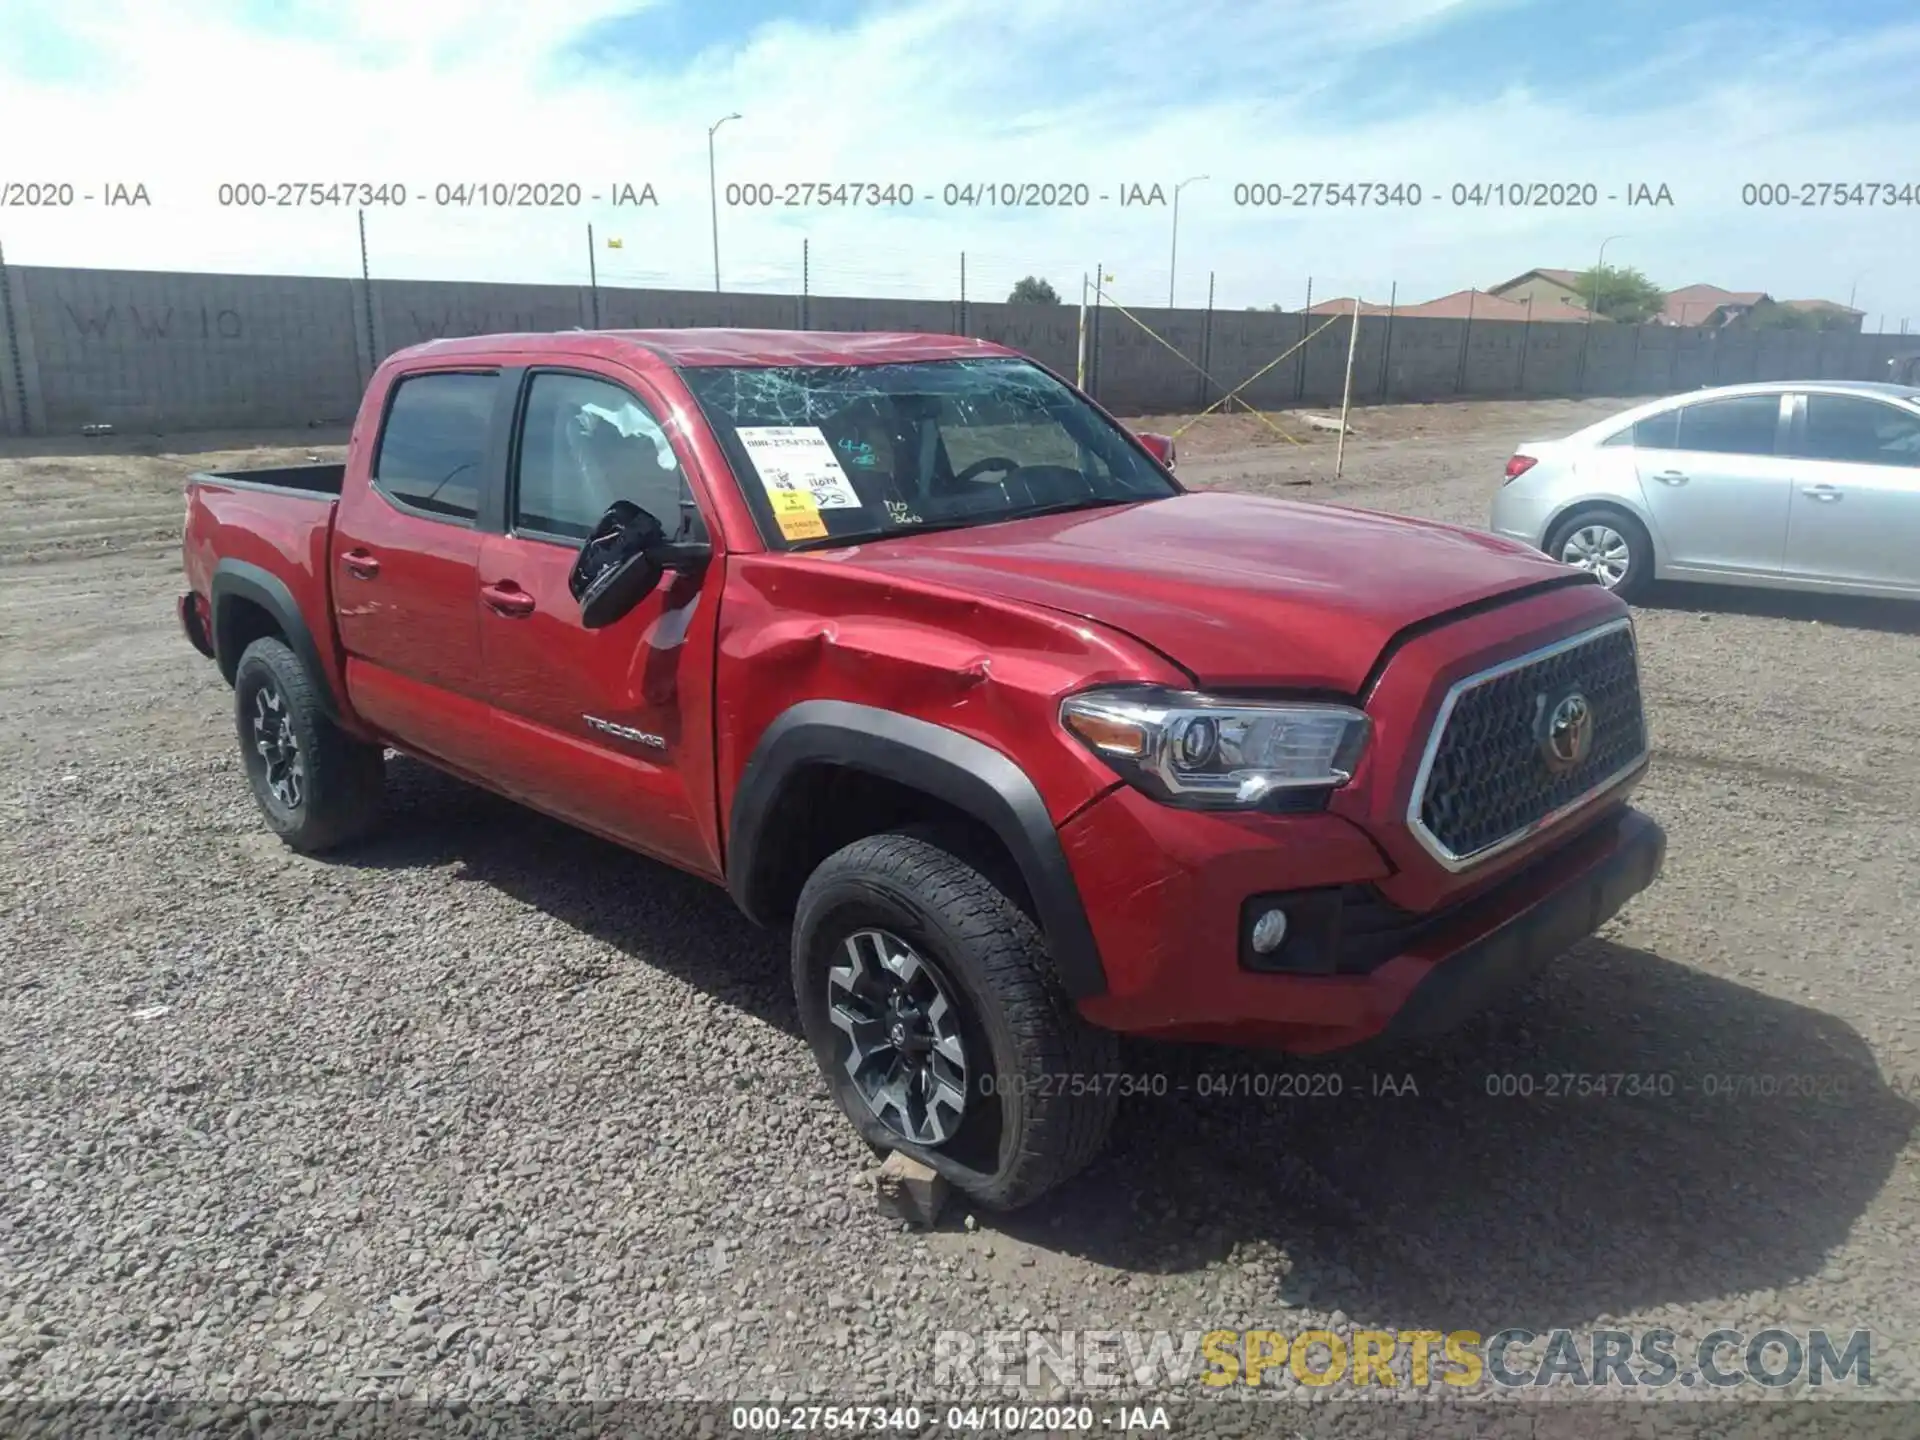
x: 610, y: 729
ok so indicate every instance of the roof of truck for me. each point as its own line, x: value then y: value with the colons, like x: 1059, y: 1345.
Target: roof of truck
x: 697, y: 347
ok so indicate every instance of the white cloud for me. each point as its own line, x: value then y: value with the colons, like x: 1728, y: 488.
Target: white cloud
x: 184, y: 97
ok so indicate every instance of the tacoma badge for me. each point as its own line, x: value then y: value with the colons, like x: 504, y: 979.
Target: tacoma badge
x: 625, y: 732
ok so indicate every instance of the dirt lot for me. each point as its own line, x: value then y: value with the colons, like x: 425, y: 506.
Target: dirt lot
x: 490, y: 1109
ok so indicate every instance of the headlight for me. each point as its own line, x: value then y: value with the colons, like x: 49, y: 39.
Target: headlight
x: 1192, y: 749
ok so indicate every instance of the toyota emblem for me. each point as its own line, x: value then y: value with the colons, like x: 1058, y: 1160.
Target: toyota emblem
x: 1566, y: 736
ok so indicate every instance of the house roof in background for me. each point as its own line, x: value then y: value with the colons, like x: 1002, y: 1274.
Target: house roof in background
x: 1558, y: 277
x: 1460, y: 305
x: 1697, y: 294
x: 1831, y: 306
x: 1689, y: 305
x: 1479, y: 305
x: 1696, y: 304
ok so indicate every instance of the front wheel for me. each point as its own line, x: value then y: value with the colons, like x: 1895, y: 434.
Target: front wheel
x: 1609, y: 544
x: 931, y: 1005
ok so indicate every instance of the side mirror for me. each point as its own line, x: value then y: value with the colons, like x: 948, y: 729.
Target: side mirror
x: 614, y: 570
x: 1158, y: 446
x: 622, y: 561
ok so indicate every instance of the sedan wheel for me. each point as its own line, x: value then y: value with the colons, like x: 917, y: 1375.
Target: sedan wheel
x: 1601, y: 549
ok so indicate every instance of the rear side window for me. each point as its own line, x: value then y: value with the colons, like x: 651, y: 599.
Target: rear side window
x: 1656, y: 432
x: 1741, y: 425
x: 435, y: 443
x: 1865, y: 432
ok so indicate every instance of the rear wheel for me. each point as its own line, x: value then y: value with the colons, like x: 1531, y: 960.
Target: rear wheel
x: 316, y: 786
x: 1609, y: 544
x: 930, y: 1003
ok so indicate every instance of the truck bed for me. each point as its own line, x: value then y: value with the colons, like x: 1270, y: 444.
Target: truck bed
x: 273, y: 522
x: 322, y: 478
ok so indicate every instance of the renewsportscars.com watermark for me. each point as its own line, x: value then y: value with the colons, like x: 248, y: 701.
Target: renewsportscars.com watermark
x: 1630, y: 1360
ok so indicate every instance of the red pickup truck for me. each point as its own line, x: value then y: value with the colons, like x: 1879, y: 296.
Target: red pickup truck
x: 927, y: 659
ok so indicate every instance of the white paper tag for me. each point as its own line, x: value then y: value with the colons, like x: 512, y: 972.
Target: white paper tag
x: 798, y: 457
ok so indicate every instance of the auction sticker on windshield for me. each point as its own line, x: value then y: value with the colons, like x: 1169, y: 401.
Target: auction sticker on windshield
x: 797, y: 514
x: 798, y: 457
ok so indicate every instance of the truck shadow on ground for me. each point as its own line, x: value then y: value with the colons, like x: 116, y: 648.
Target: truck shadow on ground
x: 1629, y: 1133
x: 1851, y: 612
x: 653, y: 914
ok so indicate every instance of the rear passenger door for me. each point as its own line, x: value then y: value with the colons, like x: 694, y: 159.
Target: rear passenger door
x: 404, y: 552
x: 1856, y: 497
x: 611, y: 728
x: 1714, y: 483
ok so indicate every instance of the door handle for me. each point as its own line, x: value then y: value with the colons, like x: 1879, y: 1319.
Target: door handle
x: 1822, y: 492
x: 1670, y: 477
x: 360, y: 564
x: 508, y: 599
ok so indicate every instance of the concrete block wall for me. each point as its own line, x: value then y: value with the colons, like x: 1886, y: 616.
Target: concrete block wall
x: 162, y: 351
x: 142, y: 350
x: 687, y: 309
x: 408, y: 312
x: 13, y: 394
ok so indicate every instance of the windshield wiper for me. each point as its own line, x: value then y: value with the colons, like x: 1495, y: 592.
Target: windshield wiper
x: 1094, y: 503
x: 856, y: 537
x: 966, y: 522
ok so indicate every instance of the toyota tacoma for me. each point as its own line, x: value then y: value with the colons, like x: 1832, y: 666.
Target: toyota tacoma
x: 934, y: 665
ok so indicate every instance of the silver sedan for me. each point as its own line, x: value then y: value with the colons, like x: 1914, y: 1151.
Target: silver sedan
x: 1798, y: 485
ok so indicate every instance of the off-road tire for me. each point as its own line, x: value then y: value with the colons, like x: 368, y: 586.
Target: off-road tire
x: 344, y: 778
x: 1632, y: 586
x: 1040, y: 1092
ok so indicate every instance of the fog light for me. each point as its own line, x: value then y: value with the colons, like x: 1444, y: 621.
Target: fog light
x: 1268, y: 931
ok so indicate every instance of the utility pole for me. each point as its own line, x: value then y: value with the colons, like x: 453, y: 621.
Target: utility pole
x: 1173, y: 255
x: 1593, y: 305
x: 1080, y: 364
x: 713, y: 195
x: 1346, y: 392
x: 366, y: 298
x: 593, y: 277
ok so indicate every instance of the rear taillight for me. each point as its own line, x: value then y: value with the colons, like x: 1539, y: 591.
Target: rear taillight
x: 1519, y: 465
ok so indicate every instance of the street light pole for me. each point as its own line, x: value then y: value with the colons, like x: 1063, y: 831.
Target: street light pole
x: 1599, y: 274
x: 713, y: 196
x: 1173, y: 255
x: 1593, y: 305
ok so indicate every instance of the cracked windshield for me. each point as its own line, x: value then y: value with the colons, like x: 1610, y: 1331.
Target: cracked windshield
x: 833, y: 454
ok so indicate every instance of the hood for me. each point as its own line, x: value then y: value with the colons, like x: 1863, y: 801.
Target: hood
x: 1241, y: 590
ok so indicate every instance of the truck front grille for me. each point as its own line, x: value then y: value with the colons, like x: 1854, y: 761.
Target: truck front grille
x: 1493, y: 775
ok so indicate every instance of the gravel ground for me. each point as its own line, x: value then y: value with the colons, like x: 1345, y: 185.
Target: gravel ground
x: 488, y: 1109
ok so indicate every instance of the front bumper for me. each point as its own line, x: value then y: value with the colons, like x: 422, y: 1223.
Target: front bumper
x: 1168, y: 917
x: 1522, y: 940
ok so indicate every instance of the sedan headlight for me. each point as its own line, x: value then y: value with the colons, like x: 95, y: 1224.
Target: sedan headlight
x: 1199, y: 750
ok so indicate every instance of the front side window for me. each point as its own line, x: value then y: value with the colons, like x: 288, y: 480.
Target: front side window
x: 1739, y: 425
x: 585, y: 443
x: 435, y: 443
x: 830, y: 454
x: 1863, y: 432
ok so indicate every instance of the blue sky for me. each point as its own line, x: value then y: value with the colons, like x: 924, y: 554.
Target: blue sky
x: 1697, y: 96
